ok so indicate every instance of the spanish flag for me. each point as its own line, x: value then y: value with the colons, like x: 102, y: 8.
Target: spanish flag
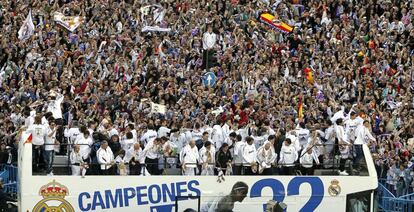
x: 270, y: 20
x: 309, y: 75
x: 300, y: 108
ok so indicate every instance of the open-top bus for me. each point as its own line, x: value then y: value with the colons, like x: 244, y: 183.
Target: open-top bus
x: 326, y: 191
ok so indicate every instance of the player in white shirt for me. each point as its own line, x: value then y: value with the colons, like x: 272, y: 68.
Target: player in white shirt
x: 249, y: 157
x: 189, y: 158
x: 351, y: 125
x: 302, y: 134
x: 217, y: 136
x: 260, y: 138
x: 105, y: 158
x: 152, y: 154
x: 163, y: 131
x: 85, y: 142
x: 207, y: 158
x: 238, y: 155
x: 183, y: 139
x: 197, y: 133
x: 127, y: 141
x: 266, y: 157
x: 76, y: 161
x: 363, y: 136
x: 134, y: 157
x: 72, y: 133
x: 50, y: 143
x: 307, y: 158
x: 288, y: 156
x: 148, y: 136
x: 39, y: 133
x: 343, y: 145
x: 330, y: 136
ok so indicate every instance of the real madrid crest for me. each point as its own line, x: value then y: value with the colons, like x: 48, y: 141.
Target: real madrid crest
x: 53, y: 195
x: 334, y: 189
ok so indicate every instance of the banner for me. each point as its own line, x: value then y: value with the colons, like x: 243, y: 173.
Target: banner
x: 273, y: 22
x: 158, y: 108
x: 69, y: 22
x: 27, y: 29
x: 155, y: 29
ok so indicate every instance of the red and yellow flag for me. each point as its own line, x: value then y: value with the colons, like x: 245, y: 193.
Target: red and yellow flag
x: 309, y: 75
x: 300, y: 108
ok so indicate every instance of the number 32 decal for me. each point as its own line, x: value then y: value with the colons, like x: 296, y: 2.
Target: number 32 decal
x: 292, y: 189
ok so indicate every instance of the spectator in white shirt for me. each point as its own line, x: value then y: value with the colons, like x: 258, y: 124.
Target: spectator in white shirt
x: 207, y: 158
x: 288, y: 156
x: 363, y: 136
x: 266, y: 157
x: 189, y: 158
x: 39, y: 133
x: 105, y: 159
x: 249, y: 157
x: 209, y: 39
x: 307, y: 159
x: 134, y: 158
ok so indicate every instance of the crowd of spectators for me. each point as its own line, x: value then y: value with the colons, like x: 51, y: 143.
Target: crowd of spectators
x: 94, y: 88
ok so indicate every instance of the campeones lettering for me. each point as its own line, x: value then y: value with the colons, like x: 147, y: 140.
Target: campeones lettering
x: 140, y: 195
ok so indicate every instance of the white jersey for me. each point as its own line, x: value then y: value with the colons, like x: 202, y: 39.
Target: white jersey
x: 303, y: 135
x: 238, y: 152
x: 149, y: 136
x: 184, y: 138
x: 39, y: 133
x: 72, y: 134
x: 351, y: 125
x: 249, y: 154
x: 85, y: 146
x: 50, y: 139
x: 197, y: 134
x: 217, y: 135
x: 190, y: 156
x: 288, y: 155
x: 163, y: 131
x: 55, y: 107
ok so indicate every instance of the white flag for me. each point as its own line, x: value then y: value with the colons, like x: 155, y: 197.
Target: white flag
x: 69, y: 22
x: 157, y: 108
x: 27, y: 29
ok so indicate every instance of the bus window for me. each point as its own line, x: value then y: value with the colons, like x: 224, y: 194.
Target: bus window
x: 359, y: 202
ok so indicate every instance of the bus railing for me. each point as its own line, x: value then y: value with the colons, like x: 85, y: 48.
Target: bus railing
x: 330, y: 166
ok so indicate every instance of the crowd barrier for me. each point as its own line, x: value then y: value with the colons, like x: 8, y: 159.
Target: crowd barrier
x: 388, y: 202
x: 8, y: 174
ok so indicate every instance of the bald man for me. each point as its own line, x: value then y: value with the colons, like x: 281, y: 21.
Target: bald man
x: 190, y: 158
x: 134, y: 158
